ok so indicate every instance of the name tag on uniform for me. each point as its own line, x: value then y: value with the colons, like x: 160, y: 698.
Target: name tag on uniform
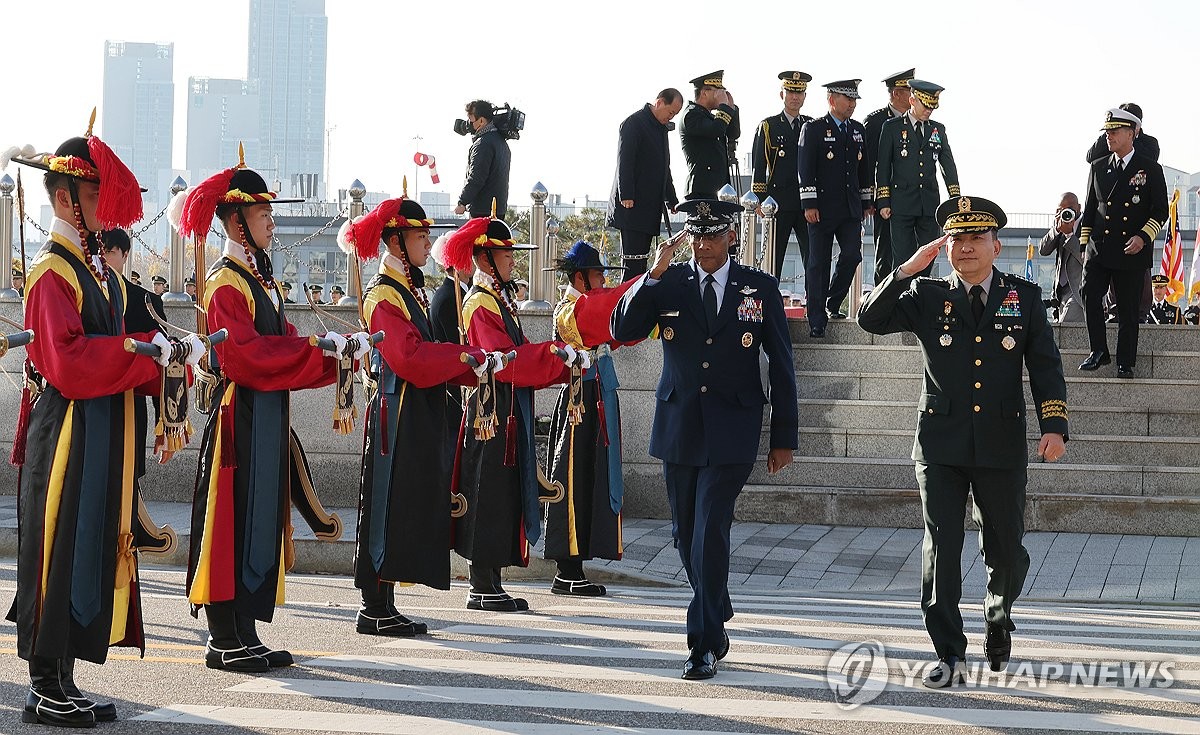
x: 830, y: 139
x: 668, y: 313
x: 750, y: 310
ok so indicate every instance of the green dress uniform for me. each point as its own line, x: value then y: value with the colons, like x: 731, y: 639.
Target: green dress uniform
x: 905, y: 179
x: 874, y: 124
x: 709, y: 139
x: 971, y: 425
x: 775, y: 155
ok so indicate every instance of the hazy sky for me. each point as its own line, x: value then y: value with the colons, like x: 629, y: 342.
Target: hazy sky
x: 1027, y: 82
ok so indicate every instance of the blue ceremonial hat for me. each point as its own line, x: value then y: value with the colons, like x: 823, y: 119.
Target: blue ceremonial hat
x: 709, y: 216
x: 582, y: 256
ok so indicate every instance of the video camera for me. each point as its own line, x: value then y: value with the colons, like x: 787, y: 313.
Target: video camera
x: 509, y: 121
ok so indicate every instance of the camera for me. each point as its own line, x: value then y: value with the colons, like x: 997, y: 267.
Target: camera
x: 1066, y: 215
x: 509, y: 122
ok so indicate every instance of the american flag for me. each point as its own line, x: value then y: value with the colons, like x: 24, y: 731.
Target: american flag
x: 1172, y: 259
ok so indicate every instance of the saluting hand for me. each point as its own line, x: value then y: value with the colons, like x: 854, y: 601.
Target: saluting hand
x: 665, y: 253
x: 924, y: 256
x: 1051, y: 448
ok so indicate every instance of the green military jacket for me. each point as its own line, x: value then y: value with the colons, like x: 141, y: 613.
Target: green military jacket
x: 905, y: 179
x: 972, y: 408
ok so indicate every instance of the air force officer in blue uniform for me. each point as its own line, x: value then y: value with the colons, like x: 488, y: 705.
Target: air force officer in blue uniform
x: 715, y: 317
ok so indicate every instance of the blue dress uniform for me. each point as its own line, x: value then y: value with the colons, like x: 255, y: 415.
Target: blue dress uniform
x: 709, y: 409
x: 709, y: 139
x: 1124, y: 199
x: 874, y: 125
x: 776, y: 146
x: 905, y: 181
x: 835, y: 180
x: 971, y: 422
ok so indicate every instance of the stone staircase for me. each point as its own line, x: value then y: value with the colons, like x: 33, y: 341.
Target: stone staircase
x: 1132, y: 465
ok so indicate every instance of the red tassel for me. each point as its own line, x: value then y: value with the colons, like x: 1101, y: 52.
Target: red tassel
x: 383, y: 424
x: 120, y: 203
x: 601, y: 419
x: 510, y: 440
x: 17, y: 458
x: 228, y: 451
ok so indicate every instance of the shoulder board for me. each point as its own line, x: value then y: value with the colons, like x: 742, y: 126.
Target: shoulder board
x: 1013, y: 277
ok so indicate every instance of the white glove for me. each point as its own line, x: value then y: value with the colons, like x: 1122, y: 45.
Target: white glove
x: 164, y: 348
x: 195, y: 347
x: 364, y: 344
x: 585, y: 359
x: 493, y: 360
x: 568, y: 355
x: 339, y: 343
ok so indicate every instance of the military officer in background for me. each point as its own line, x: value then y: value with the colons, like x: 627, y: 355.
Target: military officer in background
x: 159, y: 284
x: 835, y: 190
x: 709, y: 134
x: 776, y: 145
x: 1163, y: 311
x: 717, y: 319
x: 906, y: 187
x: 976, y: 328
x: 1130, y: 186
x: 899, y: 101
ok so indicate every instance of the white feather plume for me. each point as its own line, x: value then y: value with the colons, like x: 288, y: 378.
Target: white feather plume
x: 438, y: 251
x: 343, y: 240
x: 24, y: 151
x: 175, y: 208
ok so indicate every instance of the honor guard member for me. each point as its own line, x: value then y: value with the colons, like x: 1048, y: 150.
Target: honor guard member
x: 135, y: 278
x: 585, y: 433
x: 160, y: 285
x: 899, y: 101
x: 717, y: 320
x: 189, y: 287
x: 316, y: 290
x: 78, y: 591
x: 976, y: 327
x: 404, y: 492
x: 1191, y: 315
x: 497, y: 462
x: 1163, y: 311
x: 1125, y: 208
x: 776, y: 146
x: 18, y: 276
x: 285, y: 290
x: 906, y: 187
x: 336, y: 294
x: 709, y: 133
x: 252, y: 467
x: 835, y: 189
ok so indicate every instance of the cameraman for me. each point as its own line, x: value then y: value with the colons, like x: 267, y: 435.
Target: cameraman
x: 487, y: 164
x: 1063, y: 242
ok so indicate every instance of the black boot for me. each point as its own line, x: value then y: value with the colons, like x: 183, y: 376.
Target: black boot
x: 572, y: 581
x: 379, y: 616
x: 248, y: 635
x: 104, y: 711
x: 487, y: 593
x: 224, y: 649
x: 48, y: 703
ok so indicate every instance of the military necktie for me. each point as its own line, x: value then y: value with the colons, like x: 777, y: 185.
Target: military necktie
x: 920, y: 129
x: 977, y: 302
x: 710, y: 301
x: 796, y: 124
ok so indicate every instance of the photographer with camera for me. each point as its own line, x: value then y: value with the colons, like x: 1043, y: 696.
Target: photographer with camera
x: 487, y: 164
x: 1062, y: 241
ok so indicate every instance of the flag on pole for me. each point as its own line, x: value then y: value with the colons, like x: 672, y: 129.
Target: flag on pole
x: 1172, y: 259
x: 1029, y: 274
x: 1194, y: 276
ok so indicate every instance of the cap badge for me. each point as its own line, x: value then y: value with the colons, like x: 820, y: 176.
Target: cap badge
x: 964, y: 204
x: 703, y: 209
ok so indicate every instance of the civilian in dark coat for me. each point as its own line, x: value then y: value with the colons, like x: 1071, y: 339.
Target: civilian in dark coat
x: 487, y: 165
x: 643, y: 184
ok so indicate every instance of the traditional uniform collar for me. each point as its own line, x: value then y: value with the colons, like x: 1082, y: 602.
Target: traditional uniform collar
x: 570, y: 293
x: 67, y: 234
x: 391, y: 266
x: 236, y: 252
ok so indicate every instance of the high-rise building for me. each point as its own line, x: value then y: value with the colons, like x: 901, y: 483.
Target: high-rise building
x: 221, y: 114
x: 287, y: 57
x: 138, y: 108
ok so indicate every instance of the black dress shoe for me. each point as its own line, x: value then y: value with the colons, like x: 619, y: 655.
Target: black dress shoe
x: 700, y: 665
x: 836, y: 315
x: 817, y: 332
x: 496, y: 602
x: 1124, y: 372
x: 723, y: 651
x: 1095, y: 360
x: 577, y: 587
x: 53, y: 707
x: 947, y: 672
x: 997, y: 646
x: 239, y: 659
x: 388, y: 625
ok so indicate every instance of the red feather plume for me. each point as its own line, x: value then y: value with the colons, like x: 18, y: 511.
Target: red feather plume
x: 366, y: 231
x: 460, y: 246
x: 201, y: 204
x: 120, y: 202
